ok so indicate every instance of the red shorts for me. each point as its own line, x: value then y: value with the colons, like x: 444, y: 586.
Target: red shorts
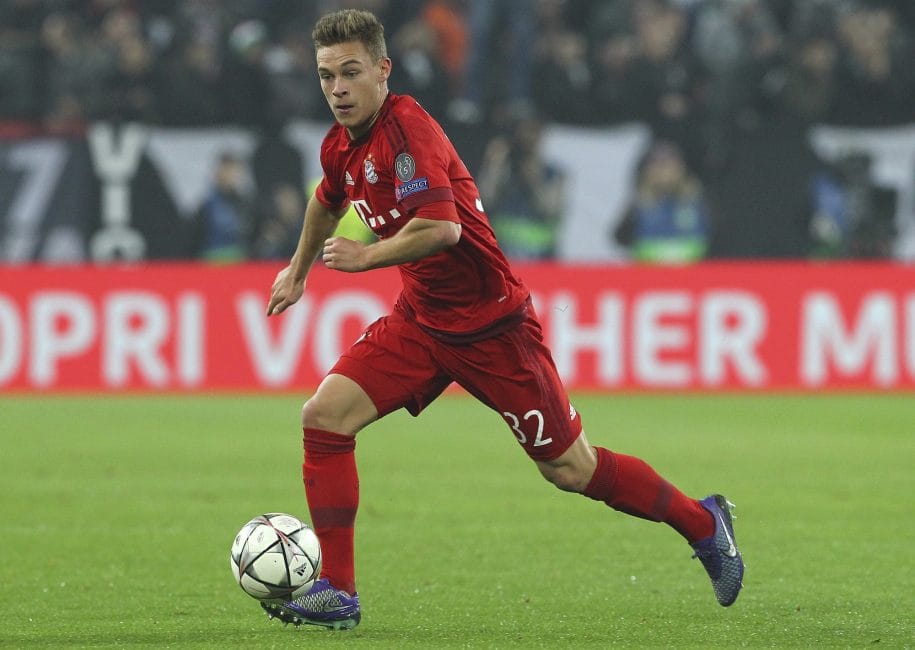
x: 398, y: 364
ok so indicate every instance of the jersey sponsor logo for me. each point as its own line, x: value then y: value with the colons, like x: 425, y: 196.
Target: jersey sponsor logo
x: 370, y: 174
x: 364, y: 210
x: 414, y: 186
x: 404, y: 167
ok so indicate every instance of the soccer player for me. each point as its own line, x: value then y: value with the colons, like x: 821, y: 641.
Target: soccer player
x: 462, y: 317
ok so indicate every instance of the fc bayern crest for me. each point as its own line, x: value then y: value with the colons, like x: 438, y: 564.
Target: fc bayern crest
x: 404, y: 167
x: 370, y: 174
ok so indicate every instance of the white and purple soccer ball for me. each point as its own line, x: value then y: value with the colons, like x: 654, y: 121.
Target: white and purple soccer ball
x: 275, y: 557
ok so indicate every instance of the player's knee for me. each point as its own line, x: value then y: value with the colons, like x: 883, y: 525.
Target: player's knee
x: 567, y: 478
x: 316, y: 415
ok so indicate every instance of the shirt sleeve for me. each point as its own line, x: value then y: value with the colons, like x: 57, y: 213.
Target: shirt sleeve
x: 331, y: 198
x: 330, y: 192
x: 438, y: 211
x: 421, y: 169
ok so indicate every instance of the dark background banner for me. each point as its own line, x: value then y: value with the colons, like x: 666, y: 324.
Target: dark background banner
x: 132, y: 192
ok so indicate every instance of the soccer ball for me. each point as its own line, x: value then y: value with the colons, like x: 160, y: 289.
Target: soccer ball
x: 275, y: 556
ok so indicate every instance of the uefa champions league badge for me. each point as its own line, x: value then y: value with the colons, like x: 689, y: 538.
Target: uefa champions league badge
x: 369, y: 165
x: 404, y: 167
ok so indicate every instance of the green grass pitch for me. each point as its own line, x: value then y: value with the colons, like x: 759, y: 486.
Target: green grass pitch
x: 118, y: 513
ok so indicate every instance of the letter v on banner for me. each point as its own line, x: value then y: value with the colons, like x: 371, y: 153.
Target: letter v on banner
x: 115, y: 157
x: 274, y: 362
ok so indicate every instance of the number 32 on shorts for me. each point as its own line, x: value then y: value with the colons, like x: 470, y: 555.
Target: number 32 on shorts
x: 515, y: 424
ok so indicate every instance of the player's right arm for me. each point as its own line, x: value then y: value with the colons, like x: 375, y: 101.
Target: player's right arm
x: 319, y: 224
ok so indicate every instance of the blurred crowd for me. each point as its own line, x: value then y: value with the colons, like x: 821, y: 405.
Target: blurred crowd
x: 676, y: 64
x: 721, y: 83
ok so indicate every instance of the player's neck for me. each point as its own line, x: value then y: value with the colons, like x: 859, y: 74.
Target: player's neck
x: 367, y: 126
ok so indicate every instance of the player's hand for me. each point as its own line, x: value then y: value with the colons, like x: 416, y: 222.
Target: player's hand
x: 285, y: 292
x: 342, y: 254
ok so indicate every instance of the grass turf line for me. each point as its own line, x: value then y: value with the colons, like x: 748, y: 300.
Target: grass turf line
x: 118, y: 514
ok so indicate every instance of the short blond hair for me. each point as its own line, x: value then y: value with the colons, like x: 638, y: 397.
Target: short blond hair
x: 348, y: 26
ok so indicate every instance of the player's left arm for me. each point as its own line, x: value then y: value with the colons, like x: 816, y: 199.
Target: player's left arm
x: 419, y: 238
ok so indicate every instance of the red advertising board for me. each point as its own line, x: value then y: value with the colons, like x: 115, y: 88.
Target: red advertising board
x: 713, y: 326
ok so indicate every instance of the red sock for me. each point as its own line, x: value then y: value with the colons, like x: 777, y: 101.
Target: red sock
x: 332, y: 491
x: 630, y: 485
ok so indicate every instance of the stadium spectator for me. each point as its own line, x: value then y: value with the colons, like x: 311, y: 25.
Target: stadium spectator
x: 290, y: 66
x: 563, y: 71
x: 131, y: 89
x: 190, y: 87
x: 807, y: 17
x: 668, y: 219
x: 810, y: 82
x: 20, y: 66
x: 275, y: 160
x: 225, y: 220
x: 420, y: 72
x: 523, y: 193
x: 759, y: 186
x: 499, y: 32
x: 739, y: 46
x: 876, y: 78
x: 278, y: 171
x: 613, y: 49
x: 245, y: 77
x: 204, y: 20
x: 278, y: 222
x: 662, y: 83
x: 76, y: 73
x: 854, y: 217
x: 446, y: 19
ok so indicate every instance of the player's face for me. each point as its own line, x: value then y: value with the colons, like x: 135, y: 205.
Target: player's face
x: 354, y: 84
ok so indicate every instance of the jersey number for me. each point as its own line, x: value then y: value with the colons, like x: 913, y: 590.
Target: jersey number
x: 515, y: 424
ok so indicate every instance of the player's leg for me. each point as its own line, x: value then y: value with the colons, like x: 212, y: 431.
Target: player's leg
x: 630, y: 485
x: 339, y: 405
x: 385, y: 370
x: 330, y: 421
x: 519, y: 380
x: 514, y: 374
x: 573, y: 469
x: 627, y: 484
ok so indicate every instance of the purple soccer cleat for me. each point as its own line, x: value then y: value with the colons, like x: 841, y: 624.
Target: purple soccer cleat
x: 719, y: 554
x: 323, y: 605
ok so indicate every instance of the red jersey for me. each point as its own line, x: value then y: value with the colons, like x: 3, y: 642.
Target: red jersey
x: 404, y: 167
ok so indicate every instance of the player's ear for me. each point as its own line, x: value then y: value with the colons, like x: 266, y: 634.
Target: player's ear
x: 384, y: 69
